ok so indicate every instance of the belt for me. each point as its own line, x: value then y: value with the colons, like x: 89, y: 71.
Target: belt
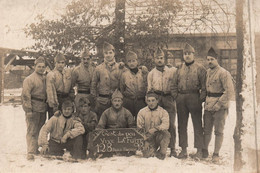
x: 189, y: 91
x: 62, y: 94
x: 38, y: 99
x: 162, y: 93
x: 214, y: 94
x: 104, y: 95
x: 84, y: 91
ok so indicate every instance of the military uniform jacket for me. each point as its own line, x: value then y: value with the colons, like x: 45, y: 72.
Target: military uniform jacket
x: 91, y: 117
x: 219, y: 80
x: 57, y: 82
x: 190, y: 79
x: 111, y: 119
x: 58, y: 127
x: 106, y: 79
x: 161, y: 81
x: 34, y: 87
x: 82, y: 77
x: 148, y: 119
x: 133, y: 85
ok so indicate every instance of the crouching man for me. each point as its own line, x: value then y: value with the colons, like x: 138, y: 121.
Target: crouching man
x: 116, y: 117
x: 89, y: 121
x: 65, y: 133
x: 155, y: 121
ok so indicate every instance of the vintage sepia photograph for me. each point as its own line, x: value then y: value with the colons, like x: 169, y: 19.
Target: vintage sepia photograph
x: 130, y: 86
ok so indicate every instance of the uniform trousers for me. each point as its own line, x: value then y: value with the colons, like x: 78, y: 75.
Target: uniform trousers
x: 34, y: 125
x: 73, y: 145
x: 169, y: 105
x: 189, y: 104
x: 159, y: 139
x: 216, y: 119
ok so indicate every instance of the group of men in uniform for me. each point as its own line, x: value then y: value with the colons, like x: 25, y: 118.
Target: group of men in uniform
x: 118, y: 95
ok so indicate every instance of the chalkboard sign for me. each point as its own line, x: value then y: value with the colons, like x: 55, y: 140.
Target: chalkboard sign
x: 117, y: 140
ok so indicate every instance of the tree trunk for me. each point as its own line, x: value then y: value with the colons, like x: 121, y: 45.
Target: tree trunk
x: 120, y: 30
x: 245, y: 135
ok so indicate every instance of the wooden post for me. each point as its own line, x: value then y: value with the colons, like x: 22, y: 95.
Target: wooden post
x: 245, y: 135
x: 2, y: 72
x: 120, y: 30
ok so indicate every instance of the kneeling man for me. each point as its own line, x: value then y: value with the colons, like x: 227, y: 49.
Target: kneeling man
x: 155, y: 121
x: 116, y: 116
x: 65, y: 133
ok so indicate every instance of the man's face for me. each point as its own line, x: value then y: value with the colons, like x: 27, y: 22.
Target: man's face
x: 86, y: 60
x: 188, y: 57
x: 132, y: 63
x: 152, y: 102
x: 159, y: 61
x: 40, y: 68
x: 109, y: 55
x: 212, y: 62
x: 117, y: 103
x: 84, y: 109
x: 60, y: 65
x: 67, y: 111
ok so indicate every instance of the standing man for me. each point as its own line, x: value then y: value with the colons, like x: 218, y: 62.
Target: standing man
x: 34, y: 104
x: 133, y: 84
x: 220, y: 88
x: 58, y: 84
x: 106, y: 79
x: 155, y: 121
x: 190, y: 91
x: 82, y: 77
x: 159, y: 81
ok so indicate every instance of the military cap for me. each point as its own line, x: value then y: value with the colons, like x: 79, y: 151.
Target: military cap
x: 159, y: 52
x: 131, y: 56
x: 188, y: 48
x: 67, y: 103
x: 117, y: 94
x: 151, y: 94
x: 39, y: 60
x: 84, y: 100
x: 212, y: 53
x: 59, y: 57
x: 107, y: 47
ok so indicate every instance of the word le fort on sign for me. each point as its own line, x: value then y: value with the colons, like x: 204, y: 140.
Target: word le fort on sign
x: 117, y: 140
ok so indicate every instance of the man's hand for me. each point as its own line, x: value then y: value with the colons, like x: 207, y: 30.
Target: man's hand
x: 121, y: 65
x: 29, y: 114
x: 64, y: 139
x: 57, y: 113
x: 44, y: 150
x: 55, y: 108
x: 216, y: 107
x: 144, y: 70
x: 152, y: 131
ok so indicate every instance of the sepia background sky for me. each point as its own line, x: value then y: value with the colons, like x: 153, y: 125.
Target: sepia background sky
x: 16, y: 14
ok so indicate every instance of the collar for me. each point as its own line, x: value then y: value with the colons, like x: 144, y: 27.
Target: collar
x: 189, y: 64
x: 83, y: 66
x: 160, y: 68
x: 111, y: 63
x: 215, y: 68
x: 116, y: 110
x: 67, y: 117
x: 135, y: 70
x: 153, y: 108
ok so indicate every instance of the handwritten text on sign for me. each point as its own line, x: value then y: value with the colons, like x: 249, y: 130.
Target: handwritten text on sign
x: 114, y: 140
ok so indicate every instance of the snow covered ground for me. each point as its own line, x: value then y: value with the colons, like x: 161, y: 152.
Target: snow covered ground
x: 13, y: 152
